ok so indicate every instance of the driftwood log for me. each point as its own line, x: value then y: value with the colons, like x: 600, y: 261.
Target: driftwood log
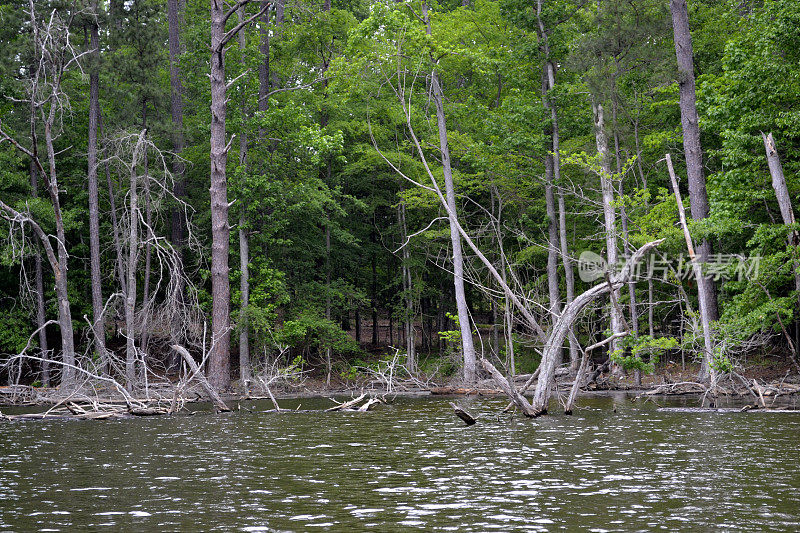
x: 352, y: 405
x: 347, y: 405
x: 463, y: 414
x: 464, y: 391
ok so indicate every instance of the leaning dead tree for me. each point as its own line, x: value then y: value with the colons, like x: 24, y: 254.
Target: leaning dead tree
x: 551, y: 356
x: 402, y: 83
x: 54, y: 56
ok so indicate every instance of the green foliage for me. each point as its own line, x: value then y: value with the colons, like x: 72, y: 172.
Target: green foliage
x: 14, y: 324
x: 631, y: 349
x: 452, y: 336
x: 309, y: 333
x: 323, y: 154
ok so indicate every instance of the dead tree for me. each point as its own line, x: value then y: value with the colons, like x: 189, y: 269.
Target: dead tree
x: 55, y: 55
x: 558, y: 334
x: 172, y: 298
x: 609, y: 211
x: 787, y: 214
x: 245, y: 373
x: 467, y: 346
x: 702, y: 292
x: 196, y: 373
x: 408, y: 299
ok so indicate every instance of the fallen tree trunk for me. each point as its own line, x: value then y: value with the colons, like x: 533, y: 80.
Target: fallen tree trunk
x: 369, y: 404
x: 516, y: 397
x: 219, y: 405
x: 464, y: 391
x: 463, y: 414
x: 346, y: 405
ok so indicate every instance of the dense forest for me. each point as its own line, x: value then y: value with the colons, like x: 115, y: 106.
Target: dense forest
x: 332, y: 185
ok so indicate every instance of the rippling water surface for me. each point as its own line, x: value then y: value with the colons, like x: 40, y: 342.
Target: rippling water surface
x: 412, y: 464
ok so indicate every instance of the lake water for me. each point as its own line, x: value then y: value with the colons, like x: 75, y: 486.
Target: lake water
x: 614, y: 466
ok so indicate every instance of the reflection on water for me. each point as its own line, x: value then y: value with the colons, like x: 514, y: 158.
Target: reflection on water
x: 411, y: 464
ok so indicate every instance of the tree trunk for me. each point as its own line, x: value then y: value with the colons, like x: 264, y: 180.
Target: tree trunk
x: 374, y: 291
x: 467, y: 346
x: 133, y: 259
x: 560, y: 330
x: 702, y: 293
x: 264, y: 66
x: 552, y: 166
x: 60, y: 270
x: 212, y: 394
x: 508, y: 328
x: 624, y: 218
x: 552, y: 241
x: 121, y: 272
x: 328, y: 350
x: 787, y: 213
x: 178, y: 220
x: 148, y: 254
x: 408, y: 322
x: 691, y: 143
x: 37, y: 258
x: 39, y: 281
x: 552, y: 217
x: 219, y: 354
x: 245, y: 374
x: 569, y: 275
x: 98, y: 325
x: 608, y: 213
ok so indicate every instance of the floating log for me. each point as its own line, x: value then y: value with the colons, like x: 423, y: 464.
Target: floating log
x: 464, y: 391
x: 369, y: 404
x: 463, y: 414
x: 148, y: 412
x: 346, y: 405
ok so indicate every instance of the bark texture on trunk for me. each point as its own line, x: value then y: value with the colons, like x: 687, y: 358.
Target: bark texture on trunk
x: 609, y: 214
x: 39, y: 282
x: 551, y: 160
x: 178, y: 222
x: 467, y: 345
x: 634, y: 320
x: 549, y: 75
x: 408, y: 321
x: 244, y: 238
x: 147, y: 299
x: 778, y: 180
x: 60, y: 270
x: 219, y: 354
x: 552, y: 241
x: 569, y: 274
x: 98, y: 325
x: 176, y: 109
x: 698, y: 196
x: 133, y: 260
